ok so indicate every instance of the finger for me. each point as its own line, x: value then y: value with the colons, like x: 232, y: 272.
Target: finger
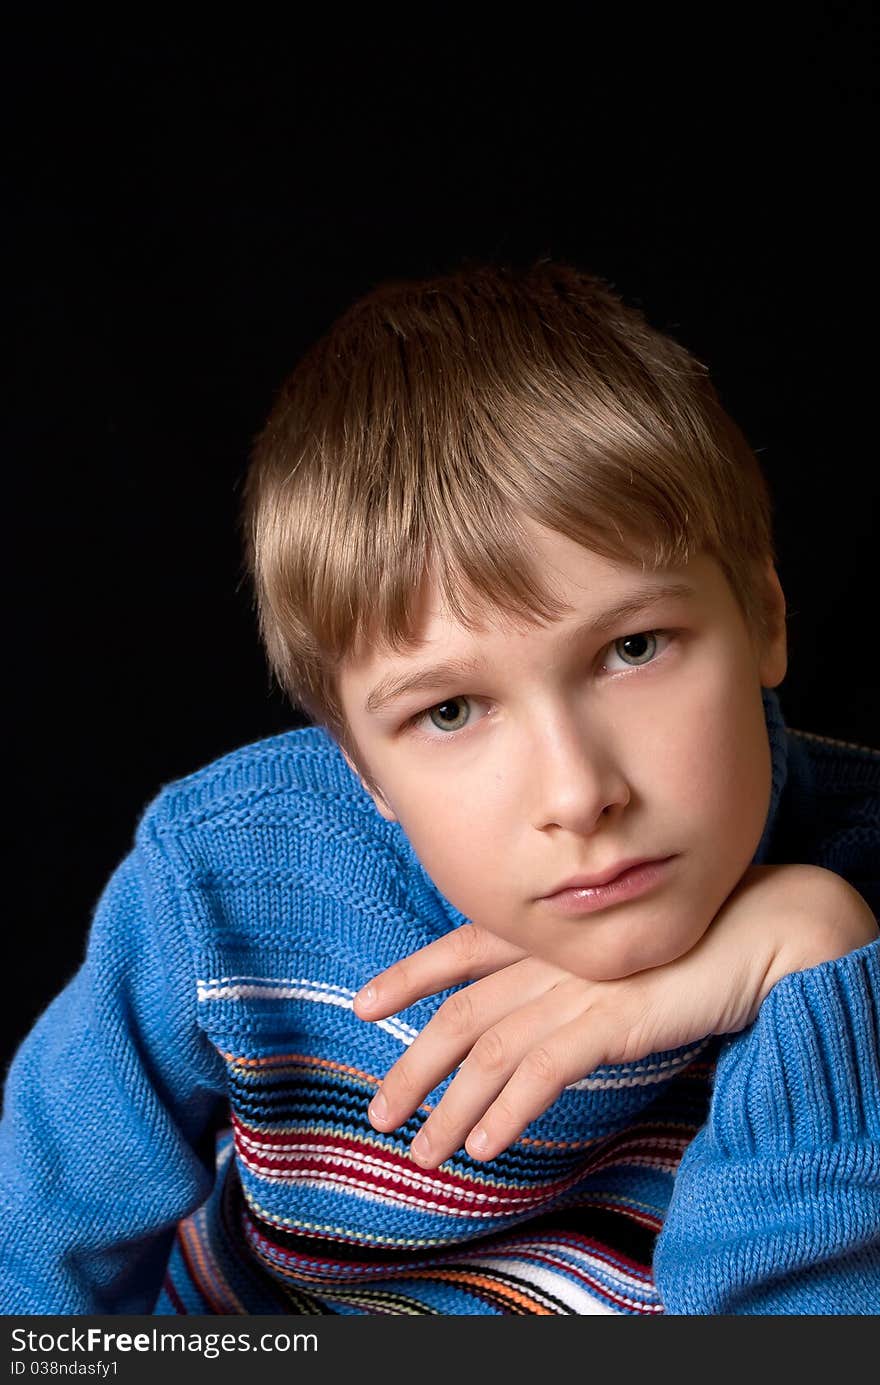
x: 464, y: 954
x: 487, y: 1070
x: 566, y: 1055
x: 451, y: 1033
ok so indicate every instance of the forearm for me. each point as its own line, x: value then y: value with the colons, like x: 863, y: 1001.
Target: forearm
x: 106, y: 1135
x: 776, y: 1208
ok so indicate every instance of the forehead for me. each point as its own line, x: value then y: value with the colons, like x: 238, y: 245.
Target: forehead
x: 564, y: 573
x: 594, y: 594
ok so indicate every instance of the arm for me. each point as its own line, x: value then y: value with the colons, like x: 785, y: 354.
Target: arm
x: 526, y: 1029
x: 106, y: 1139
x: 776, y: 1207
x: 777, y: 1201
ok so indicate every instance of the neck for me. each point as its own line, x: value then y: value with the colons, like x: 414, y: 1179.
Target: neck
x: 778, y: 739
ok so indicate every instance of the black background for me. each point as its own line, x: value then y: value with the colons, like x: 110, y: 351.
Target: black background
x: 188, y: 211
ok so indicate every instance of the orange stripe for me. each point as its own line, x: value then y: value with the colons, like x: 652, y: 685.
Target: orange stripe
x: 496, y: 1287
x: 211, y: 1281
x: 368, y: 1289
x: 191, y: 1252
x: 298, y: 1060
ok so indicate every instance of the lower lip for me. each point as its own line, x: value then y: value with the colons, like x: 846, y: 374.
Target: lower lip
x: 628, y: 885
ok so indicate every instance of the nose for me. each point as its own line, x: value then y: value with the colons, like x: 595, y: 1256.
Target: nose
x: 577, y: 775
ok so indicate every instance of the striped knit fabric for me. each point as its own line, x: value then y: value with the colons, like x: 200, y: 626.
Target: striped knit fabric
x: 555, y: 1226
x: 209, y: 1038
x: 315, y: 1212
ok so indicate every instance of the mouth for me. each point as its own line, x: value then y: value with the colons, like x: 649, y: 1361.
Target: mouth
x: 631, y: 881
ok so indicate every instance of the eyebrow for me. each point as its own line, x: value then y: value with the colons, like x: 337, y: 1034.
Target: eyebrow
x: 395, y: 686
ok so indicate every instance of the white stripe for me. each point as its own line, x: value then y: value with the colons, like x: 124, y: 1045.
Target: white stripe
x: 278, y: 981
x: 564, y: 1252
x: 328, y: 993
x: 575, y: 1296
x: 330, y: 1182
x: 366, y: 1163
x: 641, y: 1075
x: 320, y: 992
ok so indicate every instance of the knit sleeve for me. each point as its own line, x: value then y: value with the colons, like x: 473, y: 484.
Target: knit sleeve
x: 776, y: 1207
x: 107, y: 1134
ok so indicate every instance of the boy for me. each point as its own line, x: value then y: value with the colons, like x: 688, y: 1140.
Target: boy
x: 501, y: 500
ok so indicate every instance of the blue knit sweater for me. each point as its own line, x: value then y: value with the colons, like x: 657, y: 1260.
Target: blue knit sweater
x: 185, y: 1127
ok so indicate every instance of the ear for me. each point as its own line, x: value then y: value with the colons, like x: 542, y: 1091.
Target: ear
x: 774, y: 648
x: 382, y: 806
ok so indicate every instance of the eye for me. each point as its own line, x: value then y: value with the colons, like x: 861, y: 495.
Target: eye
x: 446, y: 716
x: 451, y: 716
x: 636, y: 650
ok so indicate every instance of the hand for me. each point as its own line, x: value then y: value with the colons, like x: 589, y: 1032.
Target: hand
x: 525, y: 1029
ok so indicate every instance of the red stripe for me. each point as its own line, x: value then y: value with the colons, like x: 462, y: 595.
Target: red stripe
x: 176, y: 1300
x: 397, y: 1176
x: 325, y: 1272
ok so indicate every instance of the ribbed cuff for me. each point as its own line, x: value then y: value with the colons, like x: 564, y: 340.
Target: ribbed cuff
x: 806, y: 1075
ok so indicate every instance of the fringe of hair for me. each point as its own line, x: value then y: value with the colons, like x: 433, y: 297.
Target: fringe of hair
x: 433, y: 415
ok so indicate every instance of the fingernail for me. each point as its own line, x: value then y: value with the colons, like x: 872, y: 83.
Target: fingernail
x: 379, y: 1109
x: 477, y: 1141
x: 421, y: 1146
x: 366, y: 998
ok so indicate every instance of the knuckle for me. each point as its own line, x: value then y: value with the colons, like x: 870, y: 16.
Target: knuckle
x: 632, y: 1036
x: 456, y: 1015
x: 443, y: 1122
x: 505, y: 1116
x: 541, y: 1065
x: 397, y: 977
x: 465, y: 943
x: 489, y: 1053
x: 635, y: 1043
x: 400, y: 1084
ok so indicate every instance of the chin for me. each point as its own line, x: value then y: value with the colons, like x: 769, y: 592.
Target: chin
x: 628, y: 960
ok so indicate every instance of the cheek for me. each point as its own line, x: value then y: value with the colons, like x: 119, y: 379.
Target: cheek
x: 467, y: 856
x: 717, y: 757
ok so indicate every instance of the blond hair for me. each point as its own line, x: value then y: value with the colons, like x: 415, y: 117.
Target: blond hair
x: 432, y: 415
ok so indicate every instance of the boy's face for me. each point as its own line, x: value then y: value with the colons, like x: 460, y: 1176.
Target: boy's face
x: 563, y: 754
